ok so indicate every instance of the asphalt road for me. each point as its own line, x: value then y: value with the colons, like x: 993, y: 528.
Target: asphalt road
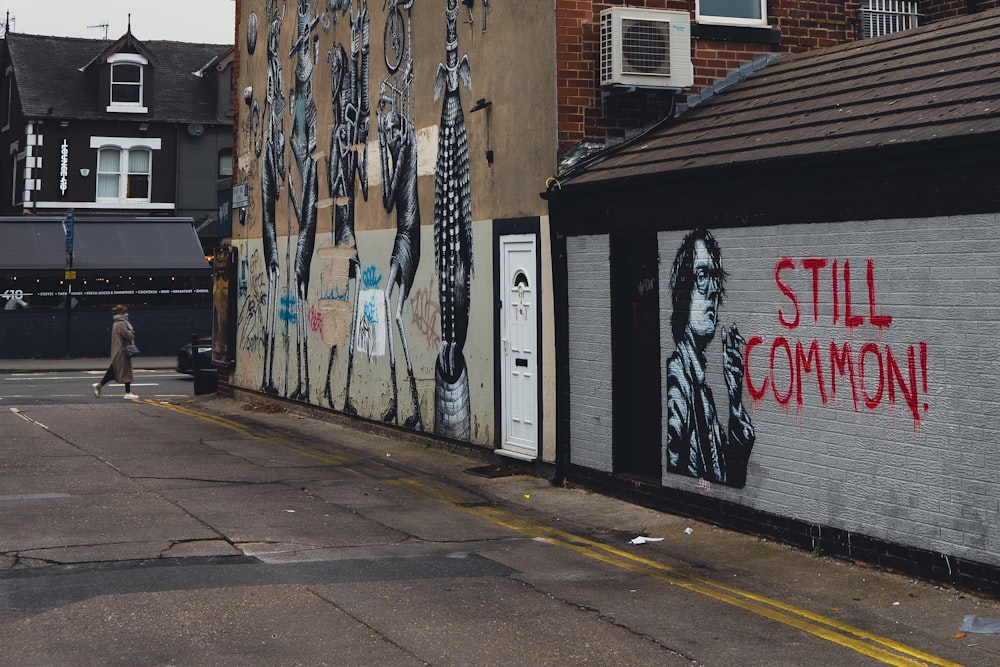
x: 203, y: 531
x: 69, y: 387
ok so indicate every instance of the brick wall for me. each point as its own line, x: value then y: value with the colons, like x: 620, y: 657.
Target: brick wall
x: 584, y: 114
x: 900, y: 446
x: 936, y: 10
x: 589, y: 348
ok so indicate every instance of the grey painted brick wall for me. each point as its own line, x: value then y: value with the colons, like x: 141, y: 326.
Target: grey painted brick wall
x: 589, y: 331
x: 923, y: 475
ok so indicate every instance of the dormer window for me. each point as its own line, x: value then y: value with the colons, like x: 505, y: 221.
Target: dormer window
x: 127, y: 78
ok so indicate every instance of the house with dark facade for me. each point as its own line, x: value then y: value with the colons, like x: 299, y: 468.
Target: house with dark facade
x: 411, y: 250
x: 768, y: 305
x: 133, y: 138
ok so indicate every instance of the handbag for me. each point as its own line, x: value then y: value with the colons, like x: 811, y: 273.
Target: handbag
x: 131, y: 349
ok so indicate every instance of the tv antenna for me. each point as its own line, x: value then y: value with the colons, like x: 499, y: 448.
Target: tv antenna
x: 101, y: 25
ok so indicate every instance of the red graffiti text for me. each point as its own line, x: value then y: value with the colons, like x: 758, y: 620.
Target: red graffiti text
x: 874, y: 374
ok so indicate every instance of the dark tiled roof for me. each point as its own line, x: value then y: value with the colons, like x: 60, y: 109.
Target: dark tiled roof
x: 940, y: 82
x: 47, y: 74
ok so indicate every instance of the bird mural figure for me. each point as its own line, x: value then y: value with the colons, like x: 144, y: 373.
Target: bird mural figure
x: 398, y: 160
x: 348, y: 168
x: 453, y: 252
x: 272, y: 146
x: 303, y: 145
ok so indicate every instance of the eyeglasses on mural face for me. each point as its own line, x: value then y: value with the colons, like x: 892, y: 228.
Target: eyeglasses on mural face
x: 705, y: 276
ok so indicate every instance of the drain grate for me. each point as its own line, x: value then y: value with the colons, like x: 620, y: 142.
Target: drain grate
x: 491, y: 471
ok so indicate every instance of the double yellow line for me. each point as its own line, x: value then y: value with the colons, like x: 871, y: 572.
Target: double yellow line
x: 866, y: 643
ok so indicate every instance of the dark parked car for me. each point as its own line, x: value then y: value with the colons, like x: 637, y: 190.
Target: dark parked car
x: 204, y: 356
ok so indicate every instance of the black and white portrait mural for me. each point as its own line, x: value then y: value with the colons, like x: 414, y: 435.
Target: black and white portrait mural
x: 452, y: 239
x: 696, y: 444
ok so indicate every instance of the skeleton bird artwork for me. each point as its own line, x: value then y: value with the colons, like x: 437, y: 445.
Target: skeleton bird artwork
x: 303, y: 145
x: 347, y: 168
x: 398, y: 160
x: 271, y: 145
x: 453, y: 250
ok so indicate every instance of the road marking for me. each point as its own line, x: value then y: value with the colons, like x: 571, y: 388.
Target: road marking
x: 35, y: 496
x: 882, y: 649
x: 28, y: 419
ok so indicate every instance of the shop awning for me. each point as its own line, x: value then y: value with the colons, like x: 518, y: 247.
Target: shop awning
x: 144, y: 245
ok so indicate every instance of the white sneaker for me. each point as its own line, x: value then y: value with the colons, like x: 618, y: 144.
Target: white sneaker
x: 97, y: 389
x: 130, y: 396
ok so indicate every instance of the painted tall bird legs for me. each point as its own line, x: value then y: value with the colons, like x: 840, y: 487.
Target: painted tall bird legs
x: 273, y: 172
x: 303, y: 143
x: 351, y: 109
x: 398, y: 158
x: 453, y: 240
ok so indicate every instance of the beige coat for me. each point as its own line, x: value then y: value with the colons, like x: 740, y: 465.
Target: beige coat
x: 121, y: 335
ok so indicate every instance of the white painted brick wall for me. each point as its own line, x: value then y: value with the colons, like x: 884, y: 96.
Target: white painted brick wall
x: 589, y: 285
x: 931, y: 482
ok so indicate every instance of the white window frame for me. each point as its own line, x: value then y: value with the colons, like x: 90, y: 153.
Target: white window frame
x: 732, y: 20
x: 18, y: 161
x: 124, y: 145
x: 8, y: 102
x: 133, y: 59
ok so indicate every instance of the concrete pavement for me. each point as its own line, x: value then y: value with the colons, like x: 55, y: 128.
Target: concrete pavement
x: 214, y: 531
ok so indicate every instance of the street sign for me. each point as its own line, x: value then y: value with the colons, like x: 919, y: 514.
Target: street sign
x: 241, y: 195
x: 68, y: 228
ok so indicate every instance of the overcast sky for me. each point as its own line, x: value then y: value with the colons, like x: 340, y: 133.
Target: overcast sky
x: 206, y: 21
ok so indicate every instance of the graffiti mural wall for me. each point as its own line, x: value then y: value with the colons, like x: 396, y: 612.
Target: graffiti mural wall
x: 363, y: 285
x: 837, y: 374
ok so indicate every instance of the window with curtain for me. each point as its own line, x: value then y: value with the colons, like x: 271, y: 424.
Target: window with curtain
x: 124, y: 174
x: 109, y: 162
x: 137, y: 182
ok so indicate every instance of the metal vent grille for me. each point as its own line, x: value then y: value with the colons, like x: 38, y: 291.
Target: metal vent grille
x: 645, y: 47
x: 607, y: 46
x: 881, y: 17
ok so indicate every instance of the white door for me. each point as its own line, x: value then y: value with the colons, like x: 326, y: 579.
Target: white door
x: 519, y: 340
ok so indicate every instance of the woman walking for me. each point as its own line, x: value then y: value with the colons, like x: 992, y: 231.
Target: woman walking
x: 120, y: 370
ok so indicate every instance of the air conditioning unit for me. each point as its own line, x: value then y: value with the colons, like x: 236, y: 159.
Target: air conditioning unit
x: 646, y: 48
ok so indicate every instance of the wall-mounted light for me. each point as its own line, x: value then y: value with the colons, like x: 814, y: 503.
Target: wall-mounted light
x: 483, y: 103
x: 143, y: 127
x: 85, y: 172
x: 480, y: 104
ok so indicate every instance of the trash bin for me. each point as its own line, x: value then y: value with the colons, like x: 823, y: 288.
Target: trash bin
x: 206, y: 381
